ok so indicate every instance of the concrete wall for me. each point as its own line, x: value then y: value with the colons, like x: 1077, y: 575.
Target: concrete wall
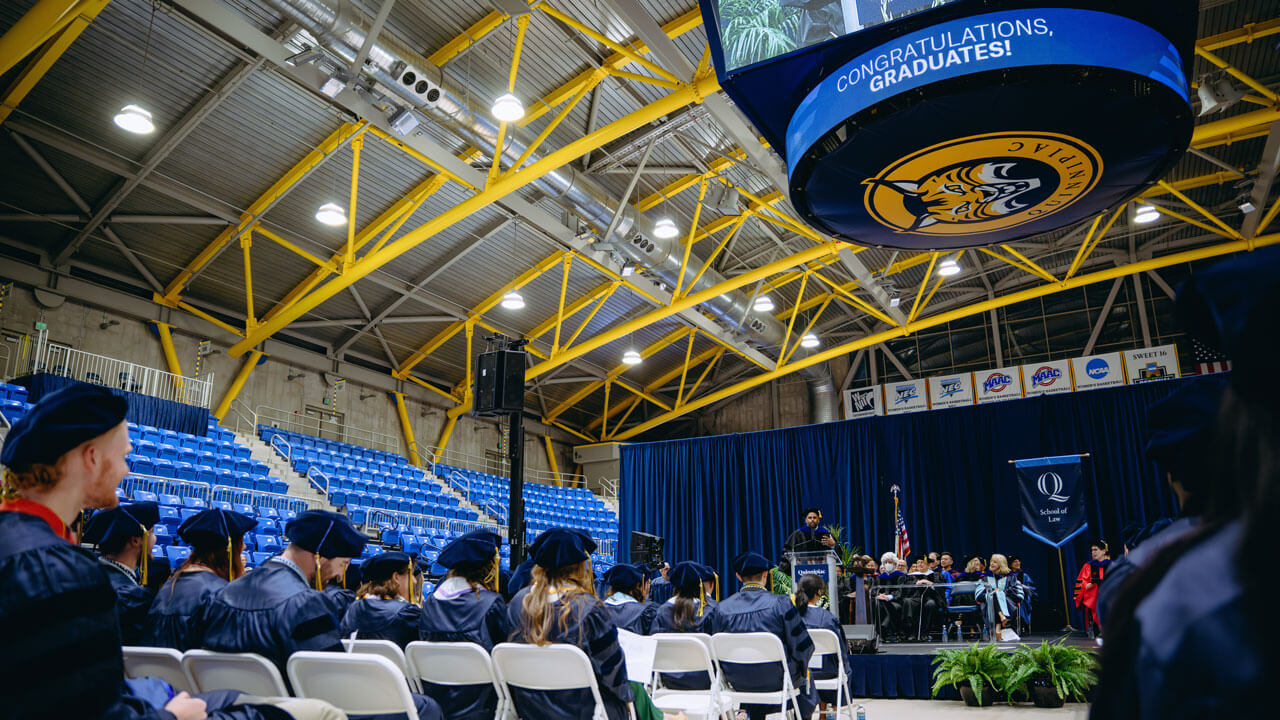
x: 79, y: 325
x: 778, y: 404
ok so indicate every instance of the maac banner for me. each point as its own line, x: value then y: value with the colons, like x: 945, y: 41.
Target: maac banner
x: 1052, y: 498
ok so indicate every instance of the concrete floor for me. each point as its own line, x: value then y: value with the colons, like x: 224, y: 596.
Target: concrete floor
x: 947, y: 709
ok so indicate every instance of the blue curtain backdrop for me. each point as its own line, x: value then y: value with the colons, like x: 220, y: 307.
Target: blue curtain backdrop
x: 143, y: 409
x: 713, y: 497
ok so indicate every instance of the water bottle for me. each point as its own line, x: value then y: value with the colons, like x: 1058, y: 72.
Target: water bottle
x: 861, y: 713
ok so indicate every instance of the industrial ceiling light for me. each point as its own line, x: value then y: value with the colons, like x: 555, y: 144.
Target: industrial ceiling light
x: 334, y: 85
x: 135, y: 119
x: 763, y: 304
x: 628, y: 269
x: 1246, y: 206
x: 809, y: 341
x: 331, y: 214
x: 632, y: 357
x: 508, y: 108
x: 513, y: 301
x: 302, y: 58
x: 1217, y: 96
x: 665, y: 229
x: 895, y: 301
x: 403, y: 121
x: 1146, y: 214
x: 948, y: 267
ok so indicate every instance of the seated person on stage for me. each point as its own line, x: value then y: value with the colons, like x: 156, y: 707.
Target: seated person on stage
x: 945, y: 571
x: 382, y: 610
x: 1028, y: 590
x: 465, y: 607
x: 998, y: 595
x: 60, y: 651
x: 124, y: 540
x: 217, y: 541
x: 755, y: 609
x: 560, y: 607
x: 921, y: 604
x: 626, y: 600
x: 278, y: 609
x: 809, y: 592
x: 901, y: 565
x: 811, y: 537
x: 932, y: 561
x: 888, y: 598
x: 974, y: 568
x: 688, y: 611
x: 1091, y: 575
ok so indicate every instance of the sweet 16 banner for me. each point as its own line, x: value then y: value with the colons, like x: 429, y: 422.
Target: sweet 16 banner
x: 1052, y: 498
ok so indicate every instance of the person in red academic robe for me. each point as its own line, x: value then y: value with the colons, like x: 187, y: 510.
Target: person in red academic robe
x: 1090, y: 577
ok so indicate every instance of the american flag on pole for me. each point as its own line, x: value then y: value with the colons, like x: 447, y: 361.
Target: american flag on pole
x: 901, y: 543
x: 1208, y: 360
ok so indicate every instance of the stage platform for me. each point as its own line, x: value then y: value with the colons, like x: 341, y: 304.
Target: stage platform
x: 905, y: 670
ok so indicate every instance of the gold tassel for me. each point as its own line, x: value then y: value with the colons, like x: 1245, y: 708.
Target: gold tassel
x: 717, y: 577
x: 702, y: 598
x: 491, y: 580
x: 145, y: 552
x: 412, y: 597
x: 231, y: 562
x: 319, y: 587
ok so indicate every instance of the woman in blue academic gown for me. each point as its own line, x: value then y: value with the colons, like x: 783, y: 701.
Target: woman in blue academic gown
x: 686, y: 612
x: 809, y: 592
x: 465, y: 607
x: 381, y: 610
x: 124, y: 540
x: 217, y: 541
x: 626, y: 599
x: 560, y: 607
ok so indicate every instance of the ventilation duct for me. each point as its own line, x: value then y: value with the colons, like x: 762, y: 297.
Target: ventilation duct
x: 340, y: 28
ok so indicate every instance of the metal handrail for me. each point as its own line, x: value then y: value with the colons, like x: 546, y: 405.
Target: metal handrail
x: 349, y: 434
x: 122, y: 374
x: 169, y: 486
x: 455, y: 458
x: 215, y: 493
x: 287, y: 452
x: 312, y: 473
x: 262, y: 498
x: 431, y: 521
x: 244, y: 415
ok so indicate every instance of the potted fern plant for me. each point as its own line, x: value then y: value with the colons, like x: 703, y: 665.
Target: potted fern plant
x: 977, y: 671
x: 1051, y: 674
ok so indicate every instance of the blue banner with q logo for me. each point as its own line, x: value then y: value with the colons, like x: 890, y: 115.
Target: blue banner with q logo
x: 1052, y: 495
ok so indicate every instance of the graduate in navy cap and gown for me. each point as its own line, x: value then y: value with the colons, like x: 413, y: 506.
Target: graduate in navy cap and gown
x: 686, y: 612
x: 632, y: 611
x: 123, y: 537
x: 277, y: 609
x: 755, y: 609
x: 710, y: 585
x: 216, y: 538
x: 809, y: 592
x: 560, y: 606
x: 465, y: 607
x: 382, y: 610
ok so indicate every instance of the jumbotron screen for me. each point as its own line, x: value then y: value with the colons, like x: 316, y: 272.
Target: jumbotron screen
x: 752, y: 31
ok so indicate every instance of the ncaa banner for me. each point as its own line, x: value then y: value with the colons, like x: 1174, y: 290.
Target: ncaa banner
x: 1098, y: 371
x: 906, y: 397
x: 1149, y: 364
x: 863, y: 402
x: 951, y: 391
x: 1046, y: 378
x: 1052, y: 498
x: 997, y: 385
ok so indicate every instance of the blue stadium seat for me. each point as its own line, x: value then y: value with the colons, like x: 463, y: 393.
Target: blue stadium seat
x: 244, y: 509
x: 261, y: 557
x: 188, y: 512
x: 184, y: 470
x: 177, y: 555
x: 193, y: 501
x: 174, y: 500
x: 170, y: 516
x: 144, y: 496
x: 222, y: 505
x: 268, y: 543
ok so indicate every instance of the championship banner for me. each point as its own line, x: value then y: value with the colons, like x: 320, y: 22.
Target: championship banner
x: 1098, y: 371
x: 951, y: 391
x: 1148, y: 364
x: 1046, y: 378
x: 1052, y: 498
x: 863, y: 402
x: 997, y: 385
x: 906, y: 397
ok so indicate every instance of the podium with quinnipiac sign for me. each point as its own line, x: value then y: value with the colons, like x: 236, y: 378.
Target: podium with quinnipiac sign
x: 823, y: 564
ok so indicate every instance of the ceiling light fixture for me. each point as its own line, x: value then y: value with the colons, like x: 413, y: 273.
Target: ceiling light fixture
x: 763, y: 304
x: 628, y: 269
x: 513, y: 301
x: 809, y: 341
x: 948, y: 267
x: 1146, y: 214
x: 135, y: 119
x: 632, y: 357
x: 331, y: 214
x: 895, y: 301
x: 665, y: 229
x: 508, y: 108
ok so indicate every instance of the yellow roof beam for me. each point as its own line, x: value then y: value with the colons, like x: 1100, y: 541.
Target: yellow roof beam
x: 469, y: 37
x: 49, y: 53
x: 1245, y: 34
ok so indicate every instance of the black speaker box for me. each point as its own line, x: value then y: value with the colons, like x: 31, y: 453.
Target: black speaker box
x: 499, y: 382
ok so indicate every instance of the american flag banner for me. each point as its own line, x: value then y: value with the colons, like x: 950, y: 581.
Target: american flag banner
x: 901, y: 542
x: 1208, y: 360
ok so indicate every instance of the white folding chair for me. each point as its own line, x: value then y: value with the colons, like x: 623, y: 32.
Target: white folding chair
x: 360, y: 684
x: 164, y: 663
x: 547, y: 667
x: 677, y: 652
x: 826, y: 642
x: 457, y: 663
x: 755, y: 649
x: 388, y: 650
x: 249, y: 673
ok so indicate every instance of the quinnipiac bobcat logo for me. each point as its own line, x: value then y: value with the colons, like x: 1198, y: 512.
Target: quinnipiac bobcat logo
x: 983, y: 183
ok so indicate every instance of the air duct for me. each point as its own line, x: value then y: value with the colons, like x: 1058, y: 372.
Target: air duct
x: 340, y: 28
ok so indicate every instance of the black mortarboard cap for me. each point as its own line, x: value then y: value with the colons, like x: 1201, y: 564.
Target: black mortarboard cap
x: 325, y: 533
x: 474, y: 548
x: 562, y: 546
x: 686, y: 577
x: 215, y: 526
x: 706, y: 572
x: 623, y: 576
x: 382, y: 566
x: 750, y: 563
x: 126, y: 520
x: 60, y: 422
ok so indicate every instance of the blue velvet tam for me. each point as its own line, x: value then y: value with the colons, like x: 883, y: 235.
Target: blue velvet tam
x: 686, y: 577
x: 750, y: 563
x: 60, y: 422
x: 474, y: 548
x: 562, y: 546
x: 623, y: 576
x: 123, y: 521
x: 381, y: 567
x: 325, y: 533
x: 215, y: 526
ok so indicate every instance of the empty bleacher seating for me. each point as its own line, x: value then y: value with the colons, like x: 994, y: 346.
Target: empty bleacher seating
x: 545, y: 506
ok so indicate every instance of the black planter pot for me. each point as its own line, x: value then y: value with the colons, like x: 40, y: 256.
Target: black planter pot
x: 1046, y: 696
x: 970, y: 699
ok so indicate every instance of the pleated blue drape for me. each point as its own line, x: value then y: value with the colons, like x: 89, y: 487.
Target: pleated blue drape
x: 143, y: 409
x: 714, y: 497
